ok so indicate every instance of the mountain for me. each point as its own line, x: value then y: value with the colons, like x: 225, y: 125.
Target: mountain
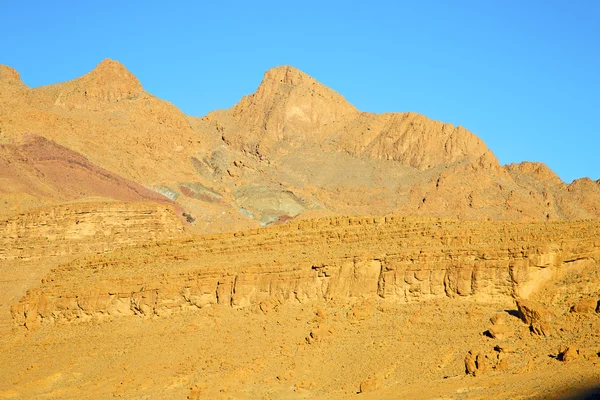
x: 293, y: 148
x: 289, y: 107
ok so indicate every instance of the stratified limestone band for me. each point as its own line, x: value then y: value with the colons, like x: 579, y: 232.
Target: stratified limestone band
x: 397, y: 259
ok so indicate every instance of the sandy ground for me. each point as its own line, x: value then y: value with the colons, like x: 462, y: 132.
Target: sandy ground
x: 299, y: 351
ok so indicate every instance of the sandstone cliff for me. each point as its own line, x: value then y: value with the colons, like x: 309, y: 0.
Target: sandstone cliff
x: 33, y: 243
x: 397, y: 259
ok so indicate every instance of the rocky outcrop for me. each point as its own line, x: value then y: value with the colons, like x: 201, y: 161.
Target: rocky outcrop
x: 397, y: 259
x: 83, y: 228
x: 9, y: 76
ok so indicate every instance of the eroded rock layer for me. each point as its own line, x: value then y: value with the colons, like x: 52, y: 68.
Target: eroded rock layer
x: 81, y: 228
x: 398, y: 259
x: 33, y: 243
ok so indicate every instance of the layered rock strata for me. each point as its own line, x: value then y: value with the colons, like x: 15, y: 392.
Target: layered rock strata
x: 82, y: 228
x: 398, y: 259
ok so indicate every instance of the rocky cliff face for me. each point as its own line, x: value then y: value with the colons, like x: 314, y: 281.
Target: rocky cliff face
x: 33, y: 243
x: 397, y: 259
x: 81, y: 228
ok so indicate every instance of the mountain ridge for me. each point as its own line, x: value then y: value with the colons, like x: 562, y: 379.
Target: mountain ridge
x: 294, y: 147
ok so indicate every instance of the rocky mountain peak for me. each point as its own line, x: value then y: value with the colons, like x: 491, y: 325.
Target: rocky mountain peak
x: 288, y: 106
x: 108, y: 82
x: 9, y: 75
x: 288, y: 75
x: 111, y: 81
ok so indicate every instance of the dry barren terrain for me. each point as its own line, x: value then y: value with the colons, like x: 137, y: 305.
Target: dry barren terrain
x: 291, y: 247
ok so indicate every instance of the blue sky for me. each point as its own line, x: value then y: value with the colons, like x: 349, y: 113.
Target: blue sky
x: 523, y: 75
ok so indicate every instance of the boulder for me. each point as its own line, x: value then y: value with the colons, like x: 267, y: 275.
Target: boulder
x: 536, y: 316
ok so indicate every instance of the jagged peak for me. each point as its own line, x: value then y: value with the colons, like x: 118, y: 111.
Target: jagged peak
x: 298, y: 89
x: 286, y: 79
x: 110, y: 67
x: 10, y: 75
x: 109, y: 81
x: 288, y: 75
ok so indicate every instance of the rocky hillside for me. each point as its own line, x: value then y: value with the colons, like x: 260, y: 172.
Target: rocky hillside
x: 39, y: 172
x: 314, y: 309
x: 401, y: 260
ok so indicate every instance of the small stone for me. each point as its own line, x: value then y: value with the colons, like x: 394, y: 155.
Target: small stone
x: 585, y: 306
x: 500, y: 332
x: 503, y: 348
x: 321, y: 313
x: 503, y: 365
x: 370, y: 385
x: 470, y: 364
x: 497, y: 319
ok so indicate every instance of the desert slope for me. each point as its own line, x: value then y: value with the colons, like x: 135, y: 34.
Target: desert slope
x: 40, y: 172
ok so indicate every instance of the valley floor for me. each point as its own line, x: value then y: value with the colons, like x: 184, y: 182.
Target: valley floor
x: 298, y: 351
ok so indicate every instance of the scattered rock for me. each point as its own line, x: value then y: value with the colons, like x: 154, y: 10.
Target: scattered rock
x: 500, y: 332
x: 485, y: 363
x: 319, y: 334
x: 503, y: 348
x: 196, y: 391
x: 320, y: 313
x: 480, y: 362
x: 361, y: 311
x: 503, y: 365
x: 269, y: 304
x: 498, y: 319
x: 470, y: 364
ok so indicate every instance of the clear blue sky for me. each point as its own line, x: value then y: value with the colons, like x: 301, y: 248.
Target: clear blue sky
x: 521, y: 74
